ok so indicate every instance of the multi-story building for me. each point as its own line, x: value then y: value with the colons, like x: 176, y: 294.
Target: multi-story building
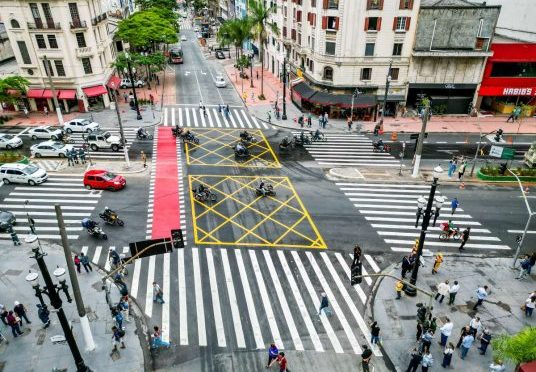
x: 71, y: 41
x: 337, y: 46
x: 6, y: 52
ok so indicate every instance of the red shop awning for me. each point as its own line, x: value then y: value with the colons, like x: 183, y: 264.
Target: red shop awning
x: 67, y: 94
x: 114, y: 82
x: 47, y: 93
x: 34, y: 93
x: 97, y: 90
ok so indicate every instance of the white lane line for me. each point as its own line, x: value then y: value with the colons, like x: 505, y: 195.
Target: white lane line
x: 396, y: 219
x: 165, y: 121
x: 257, y: 334
x: 379, y: 186
x: 149, y: 292
x: 316, y: 302
x: 33, y: 207
x: 45, y: 193
x: 198, y: 86
x: 412, y: 227
x: 239, y: 119
x: 200, y: 308
x: 194, y: 115
x: 445, y: 244
x: 166, y: 287
x: 97, y: 254
x: 265, y: 300
x: 135, y: 278
x: 521, y: 231
x: 187, y: 116
x: 202, y: 118
x: 180, y: 118
x: 107, y: 264
x: 350, y: 303
x: 220, y: 332
x: 364, y: 164
x: 398, y: 213
x: 210, y: 123
x: 257, y: 123
x: 171, y: 124
x: 335, y: 305
x: 77, y: 201
x: 358, y: 289
x: 246, y: 118
x: 235, y: 312
x: 390, y: 206
x: 389, y: 191
x: 299, y: 300
x: 183, y: 309
x: 231, y: 117
x: 372, y: 263
x: 217, y: 118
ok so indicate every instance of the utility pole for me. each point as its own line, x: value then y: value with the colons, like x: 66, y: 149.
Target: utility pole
x: 131, y: 76
x: 123, y: 139
x: 418, y: 151
x: 84, y: 321
x: 53, y: 89
x: 284, y: 116
x: 387, y: 83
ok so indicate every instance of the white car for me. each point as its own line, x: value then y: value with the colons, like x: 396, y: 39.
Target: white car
x: 183, y: 38
x: 45, y: 132
x: 7, y: 141
x: 22, y: 173
x: 50, y: 148
x: 220, y: 81
x: 126, y: 83
x: 80, y: 125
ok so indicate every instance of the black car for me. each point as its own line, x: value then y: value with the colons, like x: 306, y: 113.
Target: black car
x: 220, y: 55
x: 6, y: 219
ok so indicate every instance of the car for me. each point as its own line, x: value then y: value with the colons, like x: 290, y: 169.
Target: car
x: 220, y: 55
x: 103, y: 180
x: 80, y: 125
x: 45, y: 132
x: 6, y: 218
x: 8, y: 141
x: 50, y: 148
x: 103, y: 140
x: 183, y: 38
x: 126, y: 83
x: 220, y: 81
x: 22, y: 173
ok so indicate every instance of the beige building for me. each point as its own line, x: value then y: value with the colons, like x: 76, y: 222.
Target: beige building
x: 73, y: 41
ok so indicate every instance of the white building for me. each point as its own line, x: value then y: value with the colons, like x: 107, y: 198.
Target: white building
x: 340, y: 45
x: 517, y: 19
x: 76, y: 38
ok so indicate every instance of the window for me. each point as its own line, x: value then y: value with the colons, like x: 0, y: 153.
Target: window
x: 35, y: 11
x: 40, y: 41
x: 401, y: 23
x: 374, y: 4
x: 328, y: 73
x: 333, y: 4
x: 15, y: 23
x: 366, y: 73
x: 59, y: 67
x: 311, y: 66
x: 75, y: 16
x: 394, y: 73
x: 333, y: 23
x: 86, y: 62
x: 312, y: 44
x: 369, y: 49
x: 48, y: 67
x: 373, y: 23
x: 48, y: 14
x: 52, y: 43
x: 397, y: 49
x: 313, y: 3
x: 80, y: 39
x: 513, y: 69
x: 330, y: 48
x: 24, y: 53
x: 406, y: 4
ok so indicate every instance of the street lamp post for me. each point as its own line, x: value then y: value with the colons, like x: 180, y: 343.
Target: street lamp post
x: 250, y: 56
x: 355, y: 94
x: 387, y: 83
x: 411, y: 291
x: 129, y: 69
x: 284, y: 116
x: 52, y: 291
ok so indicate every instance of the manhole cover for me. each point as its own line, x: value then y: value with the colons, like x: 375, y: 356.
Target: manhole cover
x: 12, y: 272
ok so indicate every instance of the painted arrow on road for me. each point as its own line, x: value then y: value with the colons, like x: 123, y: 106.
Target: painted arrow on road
x: 186, y: 73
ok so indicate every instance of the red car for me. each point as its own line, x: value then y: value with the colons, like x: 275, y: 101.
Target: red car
x: 104, y: 180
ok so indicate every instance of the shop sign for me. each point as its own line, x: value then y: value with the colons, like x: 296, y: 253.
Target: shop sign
x: 507, y: 91
x: 517, y: 92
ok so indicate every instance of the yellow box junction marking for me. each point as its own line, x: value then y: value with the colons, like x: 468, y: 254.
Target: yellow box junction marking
x: 240, y: 217
x: 215, y: 148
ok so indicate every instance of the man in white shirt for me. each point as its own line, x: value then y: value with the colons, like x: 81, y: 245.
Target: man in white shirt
x: 481, y: 294
x: 446, y: 330
x: 475, y: 325
x: 453, y: 291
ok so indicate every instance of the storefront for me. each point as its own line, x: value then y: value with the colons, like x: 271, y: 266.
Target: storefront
x: 448, y: 98
x: 509, y: 79
x: 97, y: 97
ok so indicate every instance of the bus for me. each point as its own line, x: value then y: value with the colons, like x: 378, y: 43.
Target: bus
x: 175, y: 55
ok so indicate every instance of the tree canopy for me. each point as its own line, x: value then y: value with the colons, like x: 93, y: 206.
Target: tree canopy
x: 155, y: 62
x: 12, y: 83
x: 147, y: 28
x: 518, y: 348
x: 163, y: 4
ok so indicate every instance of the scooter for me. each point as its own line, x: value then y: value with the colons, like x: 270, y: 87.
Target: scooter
x: 267, y: 190
x: 143, y: 135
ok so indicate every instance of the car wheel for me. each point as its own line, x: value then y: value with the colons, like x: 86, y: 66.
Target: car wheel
x: 9, y: 147
x: 61, y: 155
x: 115, y: 148
x: 31, y: 183
x: 94, y: 147
x: 88, y: 130
x: 88, y: 187
x: 6, y: 181
x: 110, y: 188
x: 34, y: 137
x: 37, y: 155
x: 69, y: 130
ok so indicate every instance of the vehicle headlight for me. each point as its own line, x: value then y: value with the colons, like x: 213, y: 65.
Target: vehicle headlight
x: 117, y: 183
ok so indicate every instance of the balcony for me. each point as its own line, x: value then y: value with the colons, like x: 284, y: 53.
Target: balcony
x: 44, y: 26
x: 98, y: 19
x: 78, y: 25
x: 84, y: 52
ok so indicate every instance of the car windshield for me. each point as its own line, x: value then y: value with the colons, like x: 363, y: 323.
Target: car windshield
x: 85, y: 122
x: 58, y: 145
x: 108, y: 176
x: 7, y: 136
x: 107, y: 135
x: 31, y: 169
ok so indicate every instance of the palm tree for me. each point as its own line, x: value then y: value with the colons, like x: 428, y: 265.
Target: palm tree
x: 235, y: 31
x: 260, y: 24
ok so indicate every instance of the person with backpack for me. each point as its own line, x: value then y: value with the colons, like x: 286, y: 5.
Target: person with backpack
x: 273, y: 352
x: 524, y: 267
x: 118, y: 336
x: 77, y: 263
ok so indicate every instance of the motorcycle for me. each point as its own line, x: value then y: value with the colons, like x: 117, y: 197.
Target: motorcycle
x: 244, y: 153
x: 377, y: 148
x: 190, y: 138
x: 267, y: 190
x: 177, y: 131
x: 205, y: 195
x: 318, y: 136
x: 141, y: 135
x: 112, y: 219
x: 97, y: 232
x: 286, y: 145
x: 247, y: 138
x: 302, y: 140
x: 446, y: 235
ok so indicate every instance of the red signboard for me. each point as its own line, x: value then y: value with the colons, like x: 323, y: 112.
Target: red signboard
x: 507, y: 91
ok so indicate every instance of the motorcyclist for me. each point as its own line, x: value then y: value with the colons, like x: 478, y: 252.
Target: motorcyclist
x: 114, y: 257
x: 240, y: 148
x: 285, y: 142
x: 142, y: 133
x: 108, y: 214
x: 245, y: 135
x: 379, y: 145
x: 90, y: 225
x: 262, y: 188
x: 317, y: 135
x: 202, y: 191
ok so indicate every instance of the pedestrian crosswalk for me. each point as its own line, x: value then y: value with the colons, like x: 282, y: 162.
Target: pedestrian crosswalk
x: 193, y: 117
x: 38, y: 203
x: 240, y: 299
x: 391, y: 209
x: 49, y: 165
x: 348, y: 150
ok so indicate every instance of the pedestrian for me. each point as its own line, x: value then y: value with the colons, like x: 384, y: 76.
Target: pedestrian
x: 118, y: 317
x: 44, y: 315
x: 447, y: 355
x: 446, y: 331
x: 125, y: 97
x: 74, y: 155
x: 82, y: 155
x: 453, y: 291
x: 349, y: 123
x: 433, y: 325
x: 200, y: 105
x: 325, y: 119
x: 3, y: 314
x: 415, y: 361
x: 437, y: 263
x: 143, y: 159
x: 497, y: 366
x: 257, y: 74
x: 475, y: 326
x: 69, y: 158
x: 14, y: 322
x: 530, y: 303
x: 427, y: 361
x: 464, y: 332
x: 204, y: 111
x: 419, y: 331
x: 84, y: 260
x: 124, y: 307
x: 467, y: 342
x: 25, y: 110
x: 157, y: 339
x: 399, y: 286
x: 465, y: 237
x: 426, y: 340
x: 406, y: 266
x: 273, y: 351
x: 269, y: 116
x: 21, y: 311
x: 374, y: 333
x: 45, y: 110
x: 485, y: 339
x: 524, y: 267
x: 282, y: 361
x: 117, y: 338
x: 454, y: 204
x: 151, y: 99
x: 461, y: 170
x: 452, y: 168
x: 158, y: 294
x: 77, y: 263
x: 481, y: 294
x: 532, y: 261
x: 366, y: 356
x: 442, y: 290
x: 131, y: 98
x: 324, y: 304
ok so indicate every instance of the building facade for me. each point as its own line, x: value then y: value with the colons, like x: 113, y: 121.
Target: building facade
x: 70, y: 41
x: 6, y: 52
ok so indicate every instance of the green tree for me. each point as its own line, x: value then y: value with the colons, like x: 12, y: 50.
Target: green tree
x: 259, y: 15
x: 12, y: 83
x: 236, y: 32
x: 147, y: 29
x: 144, y: 63
x: 164, y: 4
x: 518, y: 348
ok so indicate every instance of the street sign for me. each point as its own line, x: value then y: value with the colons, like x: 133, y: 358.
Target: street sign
x: 160, y: 246
x: 496, y: 151
x: 508, y: 153
x: 502, y: 152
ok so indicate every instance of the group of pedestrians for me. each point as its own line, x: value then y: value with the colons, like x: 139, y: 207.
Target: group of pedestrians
x: 82, y: 260
x: 459, y: 165
x: 76, y: 156
x: 14, y: 318
x: 526, y: 264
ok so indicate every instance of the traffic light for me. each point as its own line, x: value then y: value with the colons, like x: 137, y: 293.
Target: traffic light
x: 176, y: 238
x: 356, y: 272
x: 498, y: 135
x: 502, y: 169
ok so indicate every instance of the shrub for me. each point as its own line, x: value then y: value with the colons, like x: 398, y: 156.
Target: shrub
x: 10, y: 156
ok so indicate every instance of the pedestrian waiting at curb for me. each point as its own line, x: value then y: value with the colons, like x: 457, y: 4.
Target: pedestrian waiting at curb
x: 282, y: 361
x: 524, y: 267
x: 21, y: 312
x: 481, y: 294
x: 453, y: 291
x: 84, y: 260
x: 451, y: 168
x: 446, y: 331
x: 273, y: 352
x: 374, y: 333
x: 82, y: 155
x: 467, y: 342
x: 447, y: 355
x: 419, y: 331
x: 415, y: 361
x: 461, y: 170
x: 442, y: 290
x: 399, y: 286
x: 485, y: 339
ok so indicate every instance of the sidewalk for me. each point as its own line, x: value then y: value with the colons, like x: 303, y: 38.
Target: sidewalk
x: 500, y: 313
x: 34, y: 350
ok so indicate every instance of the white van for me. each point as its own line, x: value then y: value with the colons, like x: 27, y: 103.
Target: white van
x: 22, y: 173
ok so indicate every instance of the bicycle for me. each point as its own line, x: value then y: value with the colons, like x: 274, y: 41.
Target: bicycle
x: 451, y: 234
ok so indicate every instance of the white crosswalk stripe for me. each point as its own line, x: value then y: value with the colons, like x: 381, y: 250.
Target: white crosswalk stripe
x: 391, y: 211
x: 268, y: 296
x: 49, y: 165
x: 192, y: 117
x: 106, y: 154
x: 348, y: 150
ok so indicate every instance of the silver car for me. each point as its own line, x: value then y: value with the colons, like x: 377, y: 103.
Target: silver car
x: 220, y: 81
x: 8, y: 141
